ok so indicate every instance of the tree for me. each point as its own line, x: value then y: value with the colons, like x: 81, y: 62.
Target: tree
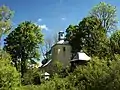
x: 98, y: 74
x: 74, y: 39
x: 107, y: 14
x: 93, y: 36
x: 89, y: 36
x: 23, y: 44
x: 46, y: 48
x: 5, y: 21
x: 115, y: 42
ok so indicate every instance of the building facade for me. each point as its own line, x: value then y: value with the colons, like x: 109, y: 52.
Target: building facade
x: 62, y: 52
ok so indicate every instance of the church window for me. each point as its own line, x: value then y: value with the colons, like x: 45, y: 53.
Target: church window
x: 64, y: 49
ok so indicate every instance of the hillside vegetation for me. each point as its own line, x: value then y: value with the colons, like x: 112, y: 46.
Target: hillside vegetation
x: 96, y: 34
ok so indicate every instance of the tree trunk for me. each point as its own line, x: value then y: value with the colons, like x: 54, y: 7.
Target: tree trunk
x: 16, y: 66
x: 23, y: 68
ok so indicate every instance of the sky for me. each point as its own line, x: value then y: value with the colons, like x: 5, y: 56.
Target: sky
x: 53, y: 15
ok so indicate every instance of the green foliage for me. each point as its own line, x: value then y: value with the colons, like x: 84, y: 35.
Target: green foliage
x: 84, y: 77
x: 53, y: 67
x: 55, y: 83
x: 23, y: 44
x: 107, y: 14
x: 32, y: 77
x: 58, y: 66
x: 73, y: 37
x: 115, y: 42
x: 60, y: 70
x: 94, y: 37
x: 97, y: 75
x: 89, y: 35
x: 9, y: 77
x: 5, y: 20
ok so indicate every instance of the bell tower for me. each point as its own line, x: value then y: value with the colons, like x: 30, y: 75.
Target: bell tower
x: 61, y: 36
x: 61, y: 51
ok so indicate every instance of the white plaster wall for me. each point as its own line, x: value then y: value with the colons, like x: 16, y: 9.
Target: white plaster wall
x: 59, y: 54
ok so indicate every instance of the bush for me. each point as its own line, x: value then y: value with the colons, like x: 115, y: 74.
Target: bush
x: 32, y: 77
x: 97, y: 75
x: 9, y: 77
x: 55, y: 83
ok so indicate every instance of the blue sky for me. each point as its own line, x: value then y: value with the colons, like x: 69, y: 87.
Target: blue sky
x: 53, y: 15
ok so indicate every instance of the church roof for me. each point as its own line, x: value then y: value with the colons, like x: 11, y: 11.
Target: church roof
x: 62, y: 42
x: 81, y: 56
x: 46, y: 63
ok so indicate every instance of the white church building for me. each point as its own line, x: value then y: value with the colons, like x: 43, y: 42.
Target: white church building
x: 61, y: 51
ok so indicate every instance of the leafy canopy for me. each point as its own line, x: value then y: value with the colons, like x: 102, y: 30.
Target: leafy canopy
x: 89, y: 35
x: 9, y: 77
x: 5, y: 20
x: 23, y: 43
x: 107, y: 14
x: 115, y: 42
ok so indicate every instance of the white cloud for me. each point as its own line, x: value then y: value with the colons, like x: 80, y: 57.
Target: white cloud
x: 39, y: 20
x: 63, y: 19
x: 43, y: 27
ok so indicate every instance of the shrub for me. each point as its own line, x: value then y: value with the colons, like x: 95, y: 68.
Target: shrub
x: 97, y: 75
x: 32, y: 77
x: 9, y: 77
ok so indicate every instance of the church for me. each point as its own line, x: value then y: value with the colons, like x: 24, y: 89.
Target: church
x: 61, y: 51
